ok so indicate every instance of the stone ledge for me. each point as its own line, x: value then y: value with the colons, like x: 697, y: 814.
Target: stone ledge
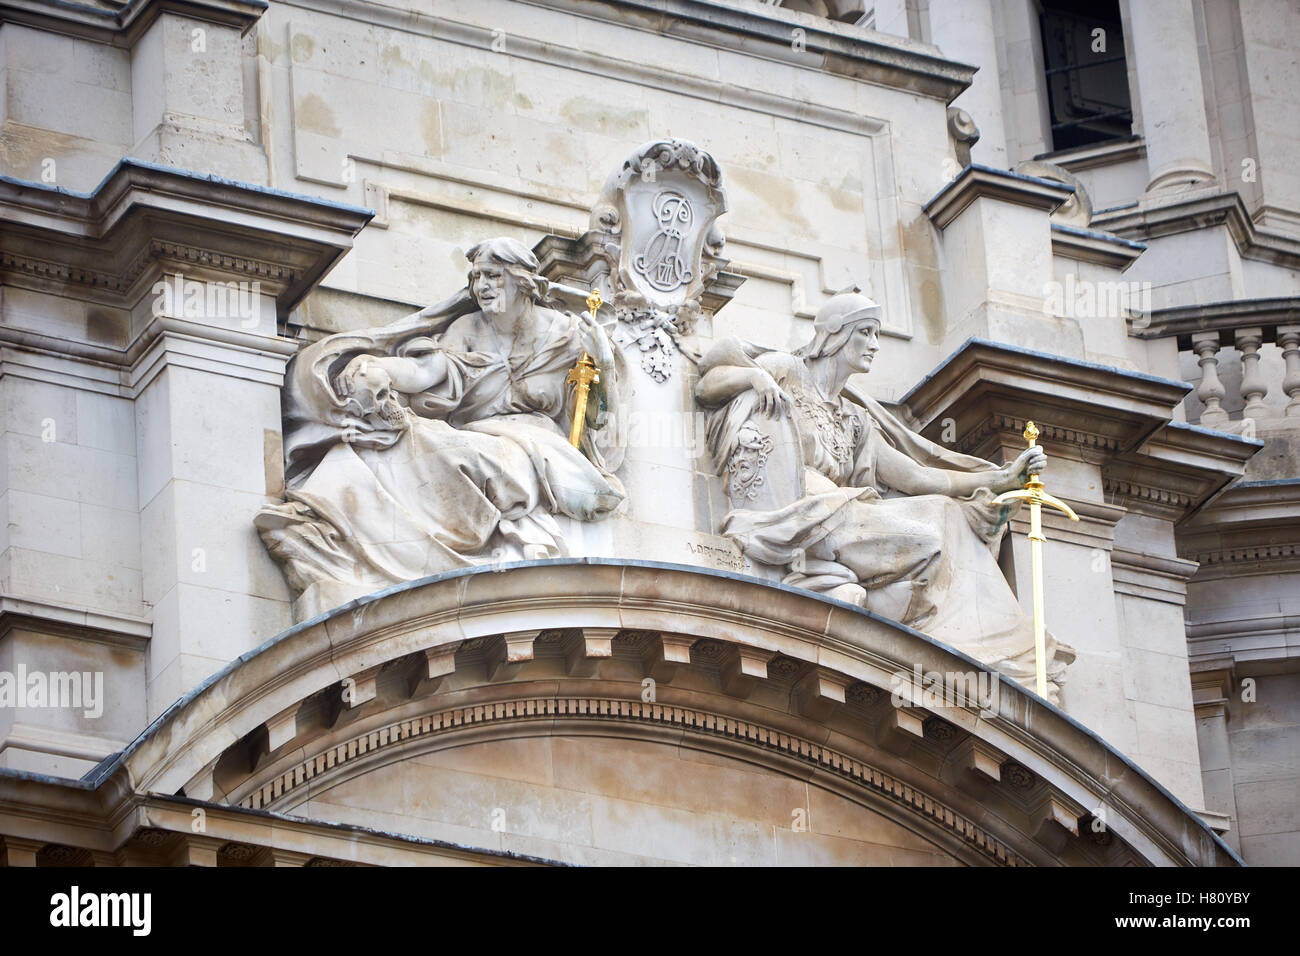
x: 1223, y: 317
x: 977, y: 182
x: 1252, y: 527
x: 834, y: 47
x: 110, y: 245
x: 1178, y: 470
x: 1196, y: 210
x: 123, y: 27
x: 1094, y: 155
x: 986, y: 384
x: 85, y: 623
x: 1091, y: 245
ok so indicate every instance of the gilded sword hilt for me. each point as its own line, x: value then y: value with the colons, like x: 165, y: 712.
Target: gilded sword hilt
x: 1034, y: 492
x: 582, y: 376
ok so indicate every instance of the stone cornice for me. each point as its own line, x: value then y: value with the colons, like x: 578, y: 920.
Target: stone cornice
x: 151, y: 828
x: 144, y: 220
x: 976, y: 182
x: 1196, y: 210
x: 1112, y: 417
x: 1251, y: 530
x: 1100, y: 154
x: 1252, y: 527
x: 1150, y: 576
x: 123, y: 26
x: 990, y: 385
x: 827, y: 45
x: 609, y: 64
x: 1099, y: 248
x: 1177, y: 471
x: 1224, y: 317
x: 1249, y: 504
x: 1259, y: 644
x: 79, y: 623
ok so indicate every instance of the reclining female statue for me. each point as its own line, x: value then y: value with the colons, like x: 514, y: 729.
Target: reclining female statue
x: 440, y: 441
x: 832, y: 490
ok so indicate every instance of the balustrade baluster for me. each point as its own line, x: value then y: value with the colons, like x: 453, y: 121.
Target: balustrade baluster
x: 1253, y: 386
x: 1288, y: 340
x: 1210, y: 391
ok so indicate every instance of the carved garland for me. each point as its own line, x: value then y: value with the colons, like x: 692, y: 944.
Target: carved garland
x: 614, y: 709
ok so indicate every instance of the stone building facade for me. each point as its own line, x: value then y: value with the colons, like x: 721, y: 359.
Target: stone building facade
x: 1080, y: 216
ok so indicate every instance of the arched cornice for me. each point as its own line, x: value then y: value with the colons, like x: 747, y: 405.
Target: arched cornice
x: 773, y: 675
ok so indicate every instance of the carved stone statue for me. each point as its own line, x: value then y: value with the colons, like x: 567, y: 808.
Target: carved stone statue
x: 831, y: 489
x: 440, y: 441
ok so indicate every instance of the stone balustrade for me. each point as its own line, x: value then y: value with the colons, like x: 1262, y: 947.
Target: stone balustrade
x: 1254, y: 386
x: 1233, y: 343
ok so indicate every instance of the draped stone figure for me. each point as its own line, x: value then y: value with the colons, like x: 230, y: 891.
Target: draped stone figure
x: 440, y: 441
x: 842, y: 498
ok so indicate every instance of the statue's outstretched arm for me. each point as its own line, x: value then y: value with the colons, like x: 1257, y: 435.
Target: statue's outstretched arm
x: 901, y: 472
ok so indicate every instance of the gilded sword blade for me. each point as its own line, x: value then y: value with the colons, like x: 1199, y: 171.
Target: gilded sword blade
x: 1036, y: 496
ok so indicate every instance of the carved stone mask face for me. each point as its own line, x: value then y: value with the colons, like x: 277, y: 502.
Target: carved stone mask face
x: 495, y: 288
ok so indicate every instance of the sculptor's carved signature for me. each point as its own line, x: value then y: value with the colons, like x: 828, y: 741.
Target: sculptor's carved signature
x: 721, y: 557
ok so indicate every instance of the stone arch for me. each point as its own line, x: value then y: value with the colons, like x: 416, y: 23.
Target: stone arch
x: 742, y: 672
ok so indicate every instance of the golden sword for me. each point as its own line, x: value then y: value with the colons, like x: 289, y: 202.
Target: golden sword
x: 1034, y: 493
x: 582, y: 376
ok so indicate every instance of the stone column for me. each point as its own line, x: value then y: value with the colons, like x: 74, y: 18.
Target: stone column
x: 1167, y: 60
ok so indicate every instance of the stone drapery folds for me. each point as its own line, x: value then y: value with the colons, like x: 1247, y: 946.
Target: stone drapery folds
x: 830, y: 490
x: 440, y: 441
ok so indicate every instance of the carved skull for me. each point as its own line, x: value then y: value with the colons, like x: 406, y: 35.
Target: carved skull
x: 368, y: 391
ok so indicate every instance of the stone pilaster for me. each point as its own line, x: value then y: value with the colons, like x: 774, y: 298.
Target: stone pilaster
x: 188, y: 96
x: 161, y: 403
x: 997, y: 249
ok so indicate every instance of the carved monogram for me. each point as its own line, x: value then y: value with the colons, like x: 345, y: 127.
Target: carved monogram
x: 662, y: 263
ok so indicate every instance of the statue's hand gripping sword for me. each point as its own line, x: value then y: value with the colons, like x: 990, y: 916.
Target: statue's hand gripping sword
x: 1033, y: 492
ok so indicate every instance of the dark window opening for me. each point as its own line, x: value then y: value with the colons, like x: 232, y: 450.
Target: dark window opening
x: 1087, y: 76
